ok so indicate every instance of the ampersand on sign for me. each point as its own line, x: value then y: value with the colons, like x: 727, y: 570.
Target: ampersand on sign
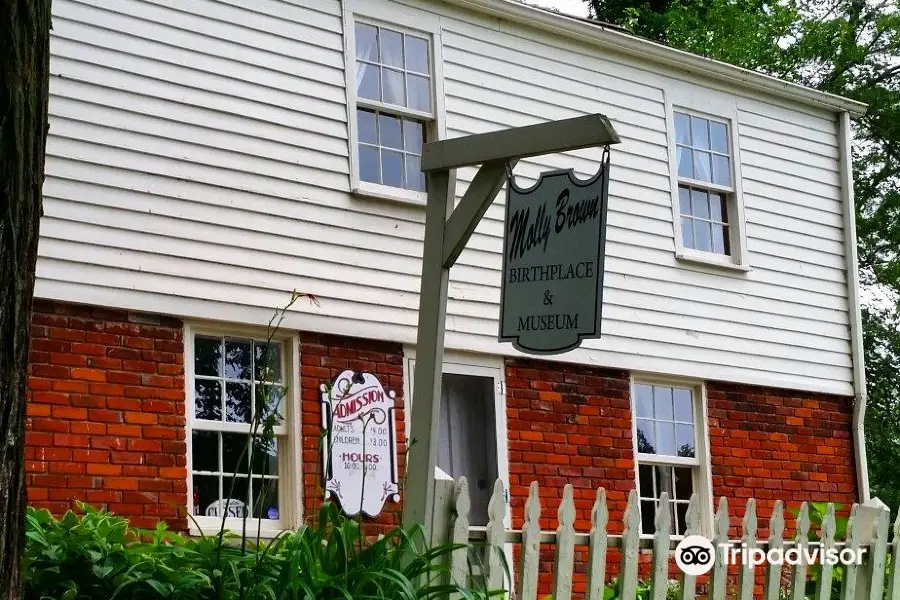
x: 548, y: 298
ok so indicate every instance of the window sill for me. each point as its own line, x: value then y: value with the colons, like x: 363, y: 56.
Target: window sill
x: 377, y: 191
x: 707, y: 259
x: 203, y: 527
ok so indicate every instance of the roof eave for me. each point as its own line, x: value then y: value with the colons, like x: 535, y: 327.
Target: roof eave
x: 634, y: 46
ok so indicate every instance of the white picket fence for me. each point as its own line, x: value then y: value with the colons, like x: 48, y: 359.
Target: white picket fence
x: 867, y: 528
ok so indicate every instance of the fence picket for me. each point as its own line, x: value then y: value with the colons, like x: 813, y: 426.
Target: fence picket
x: 628, y: 574
x: 659, y: 579
x: 531, y: 540
x: 776, y: 542
x: 596, y: 575
x: 748, y: 525
x: 719, y: 575
x: 874, y: 572
x: 459, y: 532
x: 495, y: 560
x: 848, y: 583
x: 692, y: 518
x: 798, y: 581
x: 565, y: 546
x: 893, y: 591
x: 823, y: 585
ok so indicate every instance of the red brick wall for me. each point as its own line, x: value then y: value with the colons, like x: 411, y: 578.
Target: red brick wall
x: 775, y: 444
x: 106, y: 413
x: 324, y: 357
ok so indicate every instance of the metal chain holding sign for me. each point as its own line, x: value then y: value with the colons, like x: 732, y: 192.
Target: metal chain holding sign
x: 553, y: 260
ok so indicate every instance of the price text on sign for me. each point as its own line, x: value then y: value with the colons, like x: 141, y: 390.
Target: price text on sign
x: 553, y: 255
x: 360, y: 457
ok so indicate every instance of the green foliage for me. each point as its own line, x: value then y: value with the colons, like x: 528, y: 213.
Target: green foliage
x: 96, y: 555
x: 845, y: 47
x: 611, y: 591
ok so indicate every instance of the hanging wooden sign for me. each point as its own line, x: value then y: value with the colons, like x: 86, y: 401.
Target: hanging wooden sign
x: 553, y: 254
x: 360, y: 454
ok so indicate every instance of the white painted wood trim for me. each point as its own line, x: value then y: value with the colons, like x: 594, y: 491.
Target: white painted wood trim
x: 290, y: 476
x: 702, y: 461
x: 406, y: 20
x: 848, y: 201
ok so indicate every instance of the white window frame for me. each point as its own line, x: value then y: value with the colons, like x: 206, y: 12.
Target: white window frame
x: 405, y: 20
x: 289, y: 461
x: 701, y: 463
x: 714, y: 106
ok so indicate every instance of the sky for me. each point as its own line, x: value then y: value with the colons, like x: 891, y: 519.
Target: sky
x: 573, y: 7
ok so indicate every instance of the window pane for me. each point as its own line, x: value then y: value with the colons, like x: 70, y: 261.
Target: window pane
x: 685, y: 163
x: 702, y: 236
x: 369, y: 164
x: 700, y: 133
x: 643, y: 400
x: 267, y: 361
x: 368, y: 130
x: 237, y: 402
x: 684, y: 440
x: 238, y: 490
x: 687, y: 233
x: 684, y: 200
x: 392, y: 168
x: 206, y: 491
x: 417, y: 55
x: 721, y: 171
x: 415, y: 178
x: 682, y: 129
x: 271, y: 400
x: 663, y: 480
x: 413, y: 136
x: 265, y: 456
x: 718, y: 135
x: 393, y: 86
x: 205, y: 451
x: 681, y: 518
x: 684, y: 483
x: 265, y: 499
x: 648, y: 516
x: 718, y: 207
x: 662, y: 403
x: 665, y: 438
x: 233, y: 447
x: 391, y: 133
x: 391, y: 44
x: 645, y: 481
x: 366, y: 42
x: 683, y: 409
x: 700, y: 204
x: 237, y: 359
x: 646, y: 440
x: 419, y: 92
x: 208, y: 356
x: 368, y: 83
x: 208, y: 400
x: 702, y: 168
x: 718, y: 239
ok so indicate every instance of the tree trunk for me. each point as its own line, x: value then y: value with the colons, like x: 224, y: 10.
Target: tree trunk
x: 24, y: 82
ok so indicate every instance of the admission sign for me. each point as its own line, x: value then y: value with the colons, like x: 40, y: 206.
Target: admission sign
x: 360, y: 458
x: 553, y: 255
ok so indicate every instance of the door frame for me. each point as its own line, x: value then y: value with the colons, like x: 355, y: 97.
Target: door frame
x: 479, y: 365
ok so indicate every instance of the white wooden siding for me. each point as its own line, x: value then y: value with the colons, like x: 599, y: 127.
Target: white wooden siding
x: 198, y: 165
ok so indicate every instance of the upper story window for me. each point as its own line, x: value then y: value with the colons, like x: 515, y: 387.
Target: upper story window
x: 668, y: 435
x: 394, y: 105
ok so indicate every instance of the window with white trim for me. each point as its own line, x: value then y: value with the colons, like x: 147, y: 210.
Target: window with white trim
x: 706, y: 184
x: 395, y: 104
x: 667, y: 435
x: 237, y: 385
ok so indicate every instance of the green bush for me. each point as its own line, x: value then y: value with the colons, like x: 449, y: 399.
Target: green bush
x: 95, y: 555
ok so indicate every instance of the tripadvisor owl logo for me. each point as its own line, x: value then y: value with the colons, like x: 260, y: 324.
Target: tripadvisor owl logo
x: 695, y: 555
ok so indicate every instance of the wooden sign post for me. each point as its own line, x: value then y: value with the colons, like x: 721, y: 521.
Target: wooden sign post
x: 446, y: 233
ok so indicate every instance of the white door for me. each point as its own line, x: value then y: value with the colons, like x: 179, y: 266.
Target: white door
x: 472, y: 439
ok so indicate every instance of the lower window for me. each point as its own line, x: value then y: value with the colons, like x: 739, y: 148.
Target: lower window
x: 237, y: 430
x: 668, y: 434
